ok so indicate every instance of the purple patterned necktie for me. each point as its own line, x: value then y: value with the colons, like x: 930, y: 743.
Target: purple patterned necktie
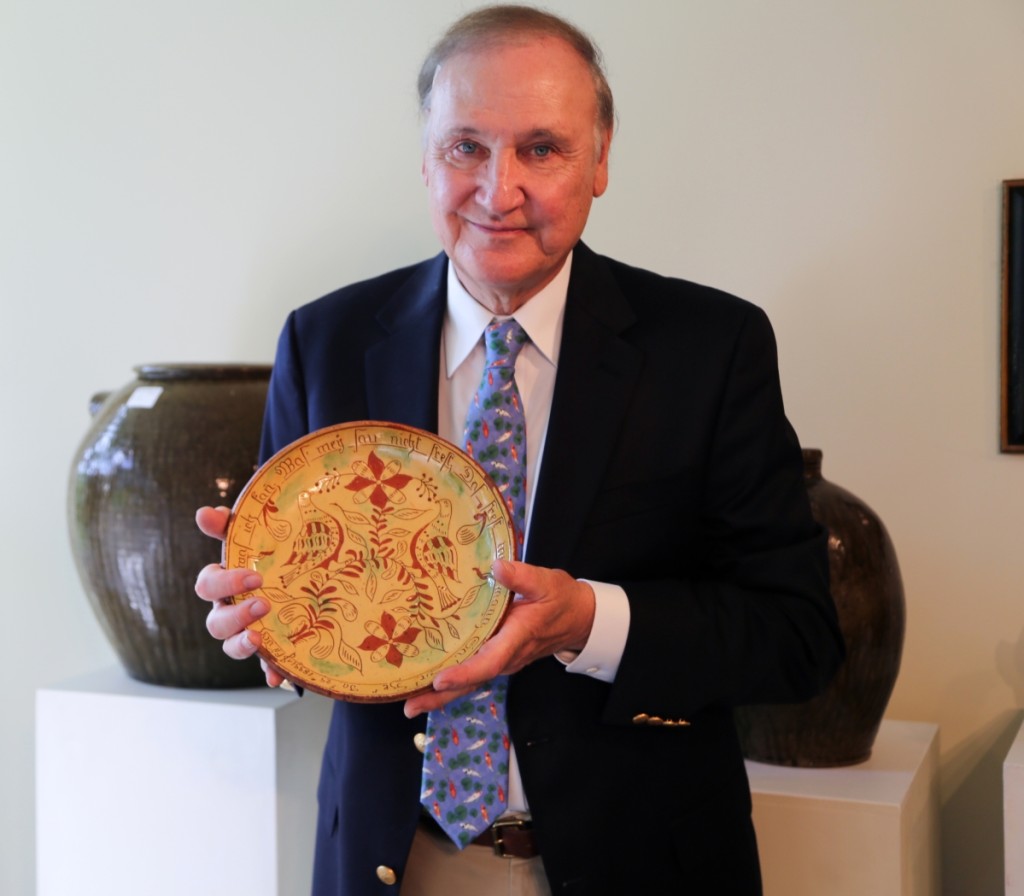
x: 465, y: 766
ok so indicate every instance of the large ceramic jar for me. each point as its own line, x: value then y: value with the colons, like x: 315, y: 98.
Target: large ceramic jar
x: 175, y: 438
x: 839, y: 726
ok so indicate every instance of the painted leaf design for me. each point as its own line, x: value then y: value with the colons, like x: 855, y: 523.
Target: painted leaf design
x: 467, y: 534
x: 409, y: 513
x: 355, y: 536
x: 434, y: 638
x: 279, y: 529
x: 295, y: 610
x: 350, y: 656
x: 470, y: 597
x: 323, y: 648
x: 356, y: 519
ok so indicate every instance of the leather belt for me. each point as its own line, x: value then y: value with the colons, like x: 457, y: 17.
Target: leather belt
x: 510, y: 838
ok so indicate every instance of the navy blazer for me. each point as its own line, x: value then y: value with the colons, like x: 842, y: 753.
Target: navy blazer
x: 670, y: 469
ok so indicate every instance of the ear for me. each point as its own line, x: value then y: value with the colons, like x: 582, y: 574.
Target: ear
x: 601, y: 170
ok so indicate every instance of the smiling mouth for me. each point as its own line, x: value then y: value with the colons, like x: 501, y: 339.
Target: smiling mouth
x: 496, y: 230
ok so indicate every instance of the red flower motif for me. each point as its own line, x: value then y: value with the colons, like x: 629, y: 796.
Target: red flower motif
x: 384, y: 481
x: 390, y: 639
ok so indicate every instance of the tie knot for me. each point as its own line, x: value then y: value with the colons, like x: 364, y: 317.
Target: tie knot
x: 503, y: 340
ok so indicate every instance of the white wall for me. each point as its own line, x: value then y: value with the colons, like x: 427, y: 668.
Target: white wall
x: 175, y: 176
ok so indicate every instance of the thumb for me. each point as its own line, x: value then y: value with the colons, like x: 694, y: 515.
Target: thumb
x: 509, y: 574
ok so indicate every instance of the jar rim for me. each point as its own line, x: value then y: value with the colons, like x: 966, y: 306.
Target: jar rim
x: 201, y: 371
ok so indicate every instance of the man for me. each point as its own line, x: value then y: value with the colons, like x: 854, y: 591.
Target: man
x: 672, y: 567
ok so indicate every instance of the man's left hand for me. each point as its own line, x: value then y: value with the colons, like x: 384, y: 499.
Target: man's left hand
x: 551, y: 612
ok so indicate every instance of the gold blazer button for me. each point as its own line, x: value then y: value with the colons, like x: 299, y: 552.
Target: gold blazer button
x: 387, y: 875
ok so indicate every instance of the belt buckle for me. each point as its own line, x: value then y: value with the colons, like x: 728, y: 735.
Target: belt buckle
x: 511, y: 822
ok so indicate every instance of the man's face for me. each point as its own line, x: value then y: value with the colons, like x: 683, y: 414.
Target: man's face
x: 512, y: 160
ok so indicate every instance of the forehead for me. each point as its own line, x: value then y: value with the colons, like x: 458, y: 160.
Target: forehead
x: 534, y: 84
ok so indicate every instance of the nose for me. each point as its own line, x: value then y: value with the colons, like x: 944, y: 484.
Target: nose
x: 500, y: 188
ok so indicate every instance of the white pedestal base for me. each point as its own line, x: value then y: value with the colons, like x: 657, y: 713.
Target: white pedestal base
x: 144, y: 789
x: 869, y: 828
x: 1013, y: 816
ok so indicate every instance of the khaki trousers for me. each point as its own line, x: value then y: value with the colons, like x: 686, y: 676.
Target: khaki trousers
x: 437, y: 868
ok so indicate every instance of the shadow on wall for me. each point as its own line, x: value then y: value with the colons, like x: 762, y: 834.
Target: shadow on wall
x: 1010, y: 665
x: 972, y: 814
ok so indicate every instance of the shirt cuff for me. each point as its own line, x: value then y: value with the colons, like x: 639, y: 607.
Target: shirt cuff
x: 601, y: 655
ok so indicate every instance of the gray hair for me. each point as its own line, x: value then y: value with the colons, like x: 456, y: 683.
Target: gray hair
x: 493, y: 25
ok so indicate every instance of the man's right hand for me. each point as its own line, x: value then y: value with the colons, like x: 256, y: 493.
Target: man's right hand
x: 227, y: 621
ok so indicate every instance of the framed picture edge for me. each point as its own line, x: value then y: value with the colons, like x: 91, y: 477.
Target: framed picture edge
x: 1011, y: 427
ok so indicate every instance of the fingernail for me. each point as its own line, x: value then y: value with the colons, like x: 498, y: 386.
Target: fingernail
x: 253, y: 580
x: 259, y: 608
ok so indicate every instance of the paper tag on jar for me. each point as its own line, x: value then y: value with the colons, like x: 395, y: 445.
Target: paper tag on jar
x: 144, y: 397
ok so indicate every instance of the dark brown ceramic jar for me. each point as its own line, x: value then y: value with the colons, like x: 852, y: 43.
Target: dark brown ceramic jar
x: 839, y: 726
x: 175, y: 438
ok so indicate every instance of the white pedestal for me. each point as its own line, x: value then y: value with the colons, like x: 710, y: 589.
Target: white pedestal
x: 144, y: 789
x: 1013, y: 816
x: 869, y: 828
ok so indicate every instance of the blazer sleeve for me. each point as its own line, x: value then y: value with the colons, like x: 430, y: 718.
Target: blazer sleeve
x: 744, y: 615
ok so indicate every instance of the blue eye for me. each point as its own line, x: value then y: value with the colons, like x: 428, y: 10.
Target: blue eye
x: 466, y: 146
x: 542, y: 150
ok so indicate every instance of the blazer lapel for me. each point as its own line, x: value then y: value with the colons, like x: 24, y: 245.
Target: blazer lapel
x: 402, y: 368
x: 597, y: 372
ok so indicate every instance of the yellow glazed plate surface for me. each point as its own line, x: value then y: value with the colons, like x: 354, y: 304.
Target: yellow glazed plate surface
x: 375, y: 542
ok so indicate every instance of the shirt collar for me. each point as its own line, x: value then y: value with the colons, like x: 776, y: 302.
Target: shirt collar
x: 541, y: 317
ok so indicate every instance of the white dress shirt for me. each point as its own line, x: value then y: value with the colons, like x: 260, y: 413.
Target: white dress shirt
x: 462, y: 364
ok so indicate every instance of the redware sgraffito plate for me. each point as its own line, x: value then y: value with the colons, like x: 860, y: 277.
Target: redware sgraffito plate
x: 375, y: 543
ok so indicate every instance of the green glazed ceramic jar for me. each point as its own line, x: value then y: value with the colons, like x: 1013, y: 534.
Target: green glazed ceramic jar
x: 173, y: 439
